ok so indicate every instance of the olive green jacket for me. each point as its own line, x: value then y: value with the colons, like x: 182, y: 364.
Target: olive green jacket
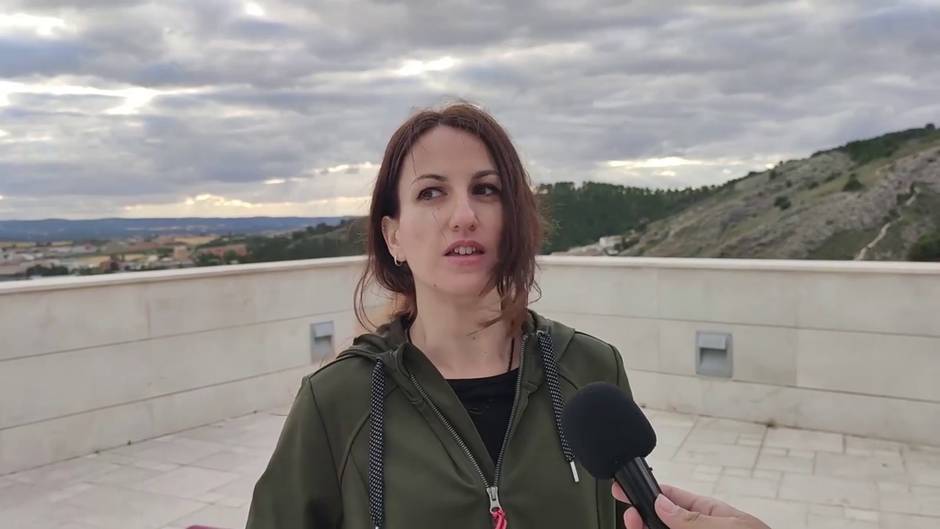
x: 318, y: 475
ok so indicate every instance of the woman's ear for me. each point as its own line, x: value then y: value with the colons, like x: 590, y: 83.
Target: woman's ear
x: 390, y: 233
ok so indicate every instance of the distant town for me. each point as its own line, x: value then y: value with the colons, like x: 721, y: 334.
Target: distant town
x: 26, y: 260
x: 30, y: 249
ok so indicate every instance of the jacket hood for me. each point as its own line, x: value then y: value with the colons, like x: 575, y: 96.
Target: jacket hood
x: 386, y: 344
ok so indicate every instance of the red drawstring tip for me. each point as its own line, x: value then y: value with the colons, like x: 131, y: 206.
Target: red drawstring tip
x: 499, y: 519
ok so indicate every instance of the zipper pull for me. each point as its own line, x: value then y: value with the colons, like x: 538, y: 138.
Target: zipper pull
x: 496, y: 510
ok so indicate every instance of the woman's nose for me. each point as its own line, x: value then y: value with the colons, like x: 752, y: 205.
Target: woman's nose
x: 463, y: 216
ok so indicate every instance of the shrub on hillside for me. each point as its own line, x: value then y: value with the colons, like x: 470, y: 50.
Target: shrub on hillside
x: 782, y: 202
x: 927, y: 248
x: 853, y: 184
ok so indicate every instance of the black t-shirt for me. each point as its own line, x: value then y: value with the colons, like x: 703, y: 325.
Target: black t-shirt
x: 489, y: 402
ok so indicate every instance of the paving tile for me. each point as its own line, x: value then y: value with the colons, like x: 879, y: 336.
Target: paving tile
x: 187, y: 482
x: 38, y: 512
x: 16, y: 494
x: 804, y: 440
x: 669, y: 418
x: 738, y: 486
x: 671, y: 434
x: 778, y: 514
x: 180, y: 450
x: 767, y: 460
x: 236, y: 493
x: 767, y: 474
x: 684, y: 476
x: 726, y: 431
x: 216, y: 516
x: 923, y: 465
x: 127, y: 476
x: 737, y: 472
x: 915, y: 499
x: 824, y: 522
x: 726, y: 455
x: 888, y: 467
x: 863, y: 446
x: 837, y: 517
x: 118, y: 508
x: 750, y: 441
x: 134, y: 461
x: 829, y: 490
x: 662, y: 453
x: 240, y: 460
x: 64, y: 472
x: 890, y: 520
x: 802, y: 454
x: 861, y: 515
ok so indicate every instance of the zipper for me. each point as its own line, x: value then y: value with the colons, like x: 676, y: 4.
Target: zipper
x: 492, y: 490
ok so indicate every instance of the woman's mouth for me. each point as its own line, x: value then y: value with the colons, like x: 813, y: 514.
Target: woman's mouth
x: 464, y: 250
x: 465, y: 253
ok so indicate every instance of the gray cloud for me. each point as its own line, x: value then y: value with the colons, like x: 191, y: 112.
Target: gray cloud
x: 154, y: 103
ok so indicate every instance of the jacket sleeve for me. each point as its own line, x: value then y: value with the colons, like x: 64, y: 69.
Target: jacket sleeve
x: 299, y: 489
x: 624, y: 384
x: 621, y: 372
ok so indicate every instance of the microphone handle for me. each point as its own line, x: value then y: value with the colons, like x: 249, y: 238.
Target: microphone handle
x: 637, y: 481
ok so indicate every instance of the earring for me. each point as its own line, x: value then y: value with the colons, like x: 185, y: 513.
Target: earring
x: 397, y: 262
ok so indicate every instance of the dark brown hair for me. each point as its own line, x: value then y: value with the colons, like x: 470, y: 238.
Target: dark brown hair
x: 523, y: 223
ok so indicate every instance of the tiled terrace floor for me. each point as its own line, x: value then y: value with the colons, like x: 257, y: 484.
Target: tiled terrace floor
x: 793, y: 479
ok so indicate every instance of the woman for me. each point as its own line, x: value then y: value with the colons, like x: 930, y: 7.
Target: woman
x: 448, y: 415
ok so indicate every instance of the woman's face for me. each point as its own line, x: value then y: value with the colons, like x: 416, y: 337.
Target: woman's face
x: 451, y: 214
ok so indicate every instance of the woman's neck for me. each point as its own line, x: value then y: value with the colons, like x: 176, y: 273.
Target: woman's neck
x: 450, y: 334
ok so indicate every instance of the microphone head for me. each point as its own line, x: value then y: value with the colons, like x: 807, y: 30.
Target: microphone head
x: 606, y: 429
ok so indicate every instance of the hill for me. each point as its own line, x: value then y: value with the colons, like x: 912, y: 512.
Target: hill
x: 875, y: 199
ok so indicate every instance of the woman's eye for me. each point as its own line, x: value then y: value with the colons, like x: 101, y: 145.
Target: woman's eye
x: 488, y: 189
x: 429, y: 193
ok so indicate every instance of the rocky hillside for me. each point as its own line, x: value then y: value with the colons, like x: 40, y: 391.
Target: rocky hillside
x: 870, y: 199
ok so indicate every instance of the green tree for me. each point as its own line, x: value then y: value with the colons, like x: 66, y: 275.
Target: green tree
x: 207, y: 259
x: 46, y: 271
x: 580, y: 215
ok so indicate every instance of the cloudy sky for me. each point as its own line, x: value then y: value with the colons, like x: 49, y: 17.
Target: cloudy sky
x: 276, y: 107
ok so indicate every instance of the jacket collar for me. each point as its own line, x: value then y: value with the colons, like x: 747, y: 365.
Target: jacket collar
x: 402, y: 361
x: 390, y: 346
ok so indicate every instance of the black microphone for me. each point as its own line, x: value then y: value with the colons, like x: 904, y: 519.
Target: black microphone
x: 610, y: 436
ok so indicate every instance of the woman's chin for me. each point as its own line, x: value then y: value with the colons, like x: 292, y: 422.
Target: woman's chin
x: 462, y: 285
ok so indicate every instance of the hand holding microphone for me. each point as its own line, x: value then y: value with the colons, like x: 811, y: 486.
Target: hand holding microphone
x: 610, y: 437
x: 681, y: 509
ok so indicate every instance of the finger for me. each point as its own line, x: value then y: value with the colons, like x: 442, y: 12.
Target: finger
x: 632, y: 519
x: 675, y: 517
x: 681, y: 497
x: 618, y: 493
x: 696, y: 503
